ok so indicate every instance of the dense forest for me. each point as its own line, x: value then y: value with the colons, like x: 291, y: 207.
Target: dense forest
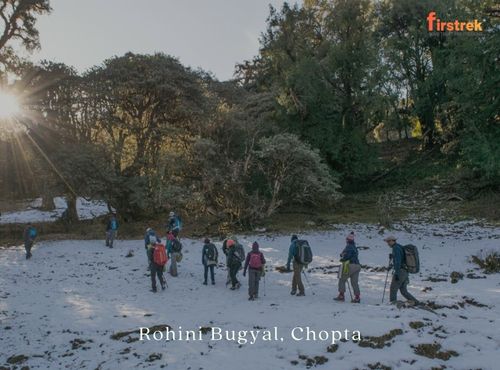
x: 302, y: 124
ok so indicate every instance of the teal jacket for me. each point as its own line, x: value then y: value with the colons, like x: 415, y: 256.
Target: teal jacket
x: 292, y: 252
x: 398, y: 258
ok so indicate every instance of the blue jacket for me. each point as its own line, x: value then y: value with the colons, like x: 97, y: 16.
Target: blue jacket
x: 112, y: 224
x: 350, y: 253
x: 292, y: 252
x: 398, y: 258
x: 146, y: 238
x: 174, y: 223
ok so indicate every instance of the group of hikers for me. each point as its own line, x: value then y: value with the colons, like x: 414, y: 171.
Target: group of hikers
x: 403, y: 260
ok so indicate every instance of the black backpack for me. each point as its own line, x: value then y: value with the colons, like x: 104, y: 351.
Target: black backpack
x: 412, y: 260
x: 304, y: 254
x: 176, y: 246
x: 239, y: 253
x: 211, y: 252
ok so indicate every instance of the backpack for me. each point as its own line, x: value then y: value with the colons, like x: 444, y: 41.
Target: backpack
x: 239, y: 253
x: 160, y: 255
x: 211, y: 253
x: 412, y: 261
x: 176, y: 246
x: 255, y: 261
x: 304, y: 254
x: 32, y: 233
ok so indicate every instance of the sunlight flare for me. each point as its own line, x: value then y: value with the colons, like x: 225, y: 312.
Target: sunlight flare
x: 9, y: 105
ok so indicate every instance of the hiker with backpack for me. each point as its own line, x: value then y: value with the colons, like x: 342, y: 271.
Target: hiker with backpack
x: 111, y: 230
x: 157, y: 255
x: 349, y: 269
x: 29, y: 235
x: 254, y: 262
x: 225, y: 250
x: 300, y: 252
x: 150, y: 239
x: 235, y: 257
x: 404, y: 260
x: 209, y: 259
x: 174, y: 248
x: 174, y: 224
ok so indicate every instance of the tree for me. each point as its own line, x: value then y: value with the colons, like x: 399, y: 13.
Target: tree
x: 143, y: 105
x: 294, y: 173
x: 318, y: 60
x: 19, y: 21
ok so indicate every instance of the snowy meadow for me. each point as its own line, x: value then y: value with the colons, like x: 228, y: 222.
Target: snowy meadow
x: 80, y: 305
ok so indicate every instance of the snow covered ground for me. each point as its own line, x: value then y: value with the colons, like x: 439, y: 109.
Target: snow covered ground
x: 86, y: 210
x: 60, y: 309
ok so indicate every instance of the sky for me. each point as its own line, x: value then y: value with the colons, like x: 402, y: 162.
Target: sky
x: 211, y: 34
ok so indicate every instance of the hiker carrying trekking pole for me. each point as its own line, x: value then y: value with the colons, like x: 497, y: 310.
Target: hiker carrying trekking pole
x: 301, y: 253
x: 349, y: 270
x: 402, y: 267
x: 254, y: 263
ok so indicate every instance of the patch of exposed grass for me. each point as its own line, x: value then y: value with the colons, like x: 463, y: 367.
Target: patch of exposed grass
x: 489, y: 263
x: 433, y: 350
x: 381, y: 341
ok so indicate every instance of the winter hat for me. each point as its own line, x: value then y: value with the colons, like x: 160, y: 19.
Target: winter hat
x: 390, y: 238
x: 255, y: 246
x: 171, y: 214
x: 230, y: 243
x: 206, y: 241
x: 294, y: 237
x: 350, y: 237
x: 148, y: 229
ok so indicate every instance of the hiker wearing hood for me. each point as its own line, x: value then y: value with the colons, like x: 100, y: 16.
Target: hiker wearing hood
x: 297, y: 268
x: 349, y: 269
x: 254, y: 262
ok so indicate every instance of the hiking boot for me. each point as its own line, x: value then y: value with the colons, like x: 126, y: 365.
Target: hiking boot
x: 213, y: 282
x: 411, y: 303
x: 251, y: 298
x: 233, y: 287
x: 153, y: 290
x: 356, y: 299
x: 293, y: 292
x: 204, y: 283
x: 300, y: 294
x: 340, y: 297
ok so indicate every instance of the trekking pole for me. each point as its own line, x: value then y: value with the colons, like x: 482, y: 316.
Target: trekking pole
x: 385, y: 285
x: 264, y: 285
x: 349, y: 287
x: 387, y: 276
x: 308, y: 282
